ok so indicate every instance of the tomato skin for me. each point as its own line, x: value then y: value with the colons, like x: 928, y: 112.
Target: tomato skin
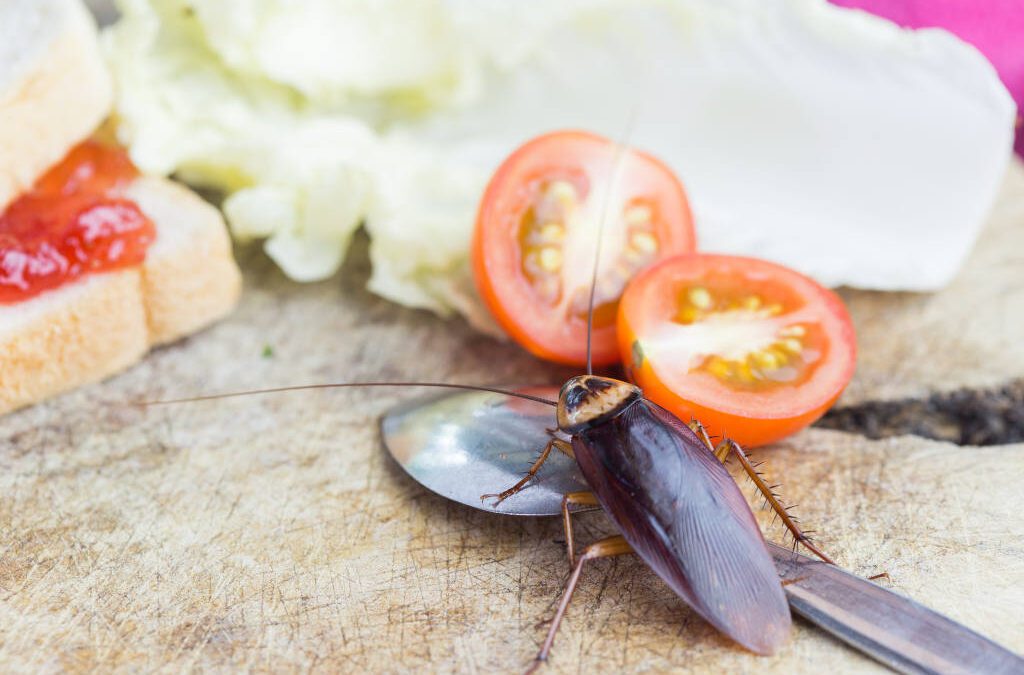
x: 748, y: 431
x: 737, y: 416
x: 496, y: 257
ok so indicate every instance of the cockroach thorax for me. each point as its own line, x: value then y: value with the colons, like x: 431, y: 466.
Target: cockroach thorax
x: 588, y: 400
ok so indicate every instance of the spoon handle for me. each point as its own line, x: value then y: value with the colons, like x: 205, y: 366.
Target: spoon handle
x: 896, y: 631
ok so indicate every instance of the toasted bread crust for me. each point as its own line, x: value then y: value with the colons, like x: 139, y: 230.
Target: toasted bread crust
x: 101, y: 324
x: 191, y: 279
x: 87, y: 331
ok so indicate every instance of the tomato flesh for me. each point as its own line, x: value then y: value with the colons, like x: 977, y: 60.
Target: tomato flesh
x: 537, y: 235
x: 753, y: 350
x: 70, y: 223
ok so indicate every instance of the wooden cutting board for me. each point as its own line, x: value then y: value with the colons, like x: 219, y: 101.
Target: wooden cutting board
x: 273, y: 533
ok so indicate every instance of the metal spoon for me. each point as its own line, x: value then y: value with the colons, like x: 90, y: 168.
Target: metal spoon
x: 464, y: 443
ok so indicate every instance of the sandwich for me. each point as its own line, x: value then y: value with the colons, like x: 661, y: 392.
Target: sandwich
x: 97, y: 263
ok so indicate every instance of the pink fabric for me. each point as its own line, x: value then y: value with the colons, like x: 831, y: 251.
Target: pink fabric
x: 995, y: 27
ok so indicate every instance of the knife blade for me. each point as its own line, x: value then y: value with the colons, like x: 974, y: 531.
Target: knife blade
x: 894, y: 630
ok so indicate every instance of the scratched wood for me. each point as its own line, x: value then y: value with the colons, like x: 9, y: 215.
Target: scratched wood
x: 273, y: 533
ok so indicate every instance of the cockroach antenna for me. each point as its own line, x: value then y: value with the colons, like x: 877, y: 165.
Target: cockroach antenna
x: 341, y: 385
x: 618, y: 158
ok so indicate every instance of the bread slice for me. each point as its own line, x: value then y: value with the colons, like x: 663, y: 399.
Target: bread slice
x: 54, y: 87
x: 103, y: 323
x: 189, y: 278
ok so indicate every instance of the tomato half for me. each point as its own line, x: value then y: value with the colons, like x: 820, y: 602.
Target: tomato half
x: 537, y: 233
x: 753, y: 350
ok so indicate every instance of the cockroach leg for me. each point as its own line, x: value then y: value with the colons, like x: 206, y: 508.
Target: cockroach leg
x: 553, y: 443
x: 565, y: 448
x: 583, y: 499
x: 702, y: 433
x: 531, y: 472
x: 722, y: 452
x: 562, y: 446
x: 727, y: 447
x: 610, y: 546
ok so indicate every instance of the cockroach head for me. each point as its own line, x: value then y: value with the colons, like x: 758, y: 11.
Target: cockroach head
x: 588, y: 400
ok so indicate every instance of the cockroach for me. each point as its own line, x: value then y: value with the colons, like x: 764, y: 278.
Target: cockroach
x: 664, y: 484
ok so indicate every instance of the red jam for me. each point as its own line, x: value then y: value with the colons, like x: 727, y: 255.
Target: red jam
x: 72, y: 222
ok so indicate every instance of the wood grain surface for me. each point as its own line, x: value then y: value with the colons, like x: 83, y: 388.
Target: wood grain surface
x: 273, y: 534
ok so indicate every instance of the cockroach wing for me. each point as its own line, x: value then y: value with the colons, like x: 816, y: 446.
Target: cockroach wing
x: 685, y: 516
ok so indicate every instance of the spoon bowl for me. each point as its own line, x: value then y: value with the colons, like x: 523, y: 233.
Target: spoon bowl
x: 461, y: 444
